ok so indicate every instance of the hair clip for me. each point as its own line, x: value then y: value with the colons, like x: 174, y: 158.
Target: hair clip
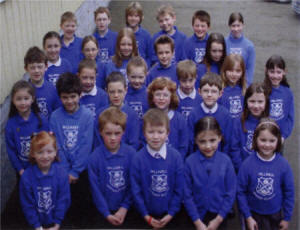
x: 268, y: 123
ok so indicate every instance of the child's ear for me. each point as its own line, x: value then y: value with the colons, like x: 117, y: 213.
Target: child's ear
x: 220, y: 93
x: 199, y: 91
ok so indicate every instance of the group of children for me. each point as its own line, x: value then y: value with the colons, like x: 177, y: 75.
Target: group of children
x: 151, y: 124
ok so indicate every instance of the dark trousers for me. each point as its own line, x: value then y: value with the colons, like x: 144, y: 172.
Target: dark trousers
x: 210, y: 216
x: 267, y: 222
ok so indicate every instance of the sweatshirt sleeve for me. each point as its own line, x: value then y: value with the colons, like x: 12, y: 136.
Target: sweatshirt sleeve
x: 250, y: 64
x: 183, y: 137
x: 235, y: 145
x: 242, y: 184
x: 289, y: 124
x: 133, y: 130
x: 288, y: 193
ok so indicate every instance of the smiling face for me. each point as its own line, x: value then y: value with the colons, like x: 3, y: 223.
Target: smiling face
x: 112, y: 136
x: 210, y: 95
x: 102, y: 22
x: 45, y: 156
x: 137, y: 77
x: 236, y: 29
x: 87, y: 78
x: 116, y: 92
x: 216, y: 51
x: 266, y: 144
x: 36, y: 72
x: 133, y: 21
x: 70, y: 101
x: 164, y: 54
x: 162, y: 99
x: 233, y: 76
x: 166, y: 23
x: 126, y: 47
x: 90, y: 50
x: 276, y: 75
x: 256, y: 104
x: 200, y: 28
x: 208, y: 142
x: 23, y: 100
x: 69, y: 27
x: 52, y: 48
x: 155, y: 136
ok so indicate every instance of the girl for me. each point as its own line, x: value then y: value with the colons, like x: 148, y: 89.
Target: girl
x: 238, y: 44
x: 214, y: 56
x: 256, y: 106
x: 90, y: 50
x: 265, y: 182
x: 126, y: 48
x: 44, y: 188
x: 210, y: 179
x: 234, y: 84
x: 56, y: 64
x: 162, y: 95
x: 280, y: 94
x: 24, y: 119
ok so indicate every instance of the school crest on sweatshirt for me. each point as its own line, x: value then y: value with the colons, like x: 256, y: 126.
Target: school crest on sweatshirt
x: 42, y: 104
x: 235, y: 105
x: 104, y: 57
x: 159, y: 183
x: 199, y: 54
x: 44, y: 199
x: 276, y: 109
x: 236, y: 51
x: 116, y: 180
x: 25, y: 147
x: 265, y: 188
x: 248, y: 147
x: 71, y: 135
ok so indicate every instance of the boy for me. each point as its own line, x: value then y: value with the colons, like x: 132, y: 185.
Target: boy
x: 105, y: 37
x: 109, y: 166
x: 71, y: 44
x: 166, y: 18
x: 195, y: 45
x: 157, y: 173
x: 134, y: 17
x: 35, y: 63
x: 211, y: 90
x: 136, y: 96
x: 92, y: 96
x: 116, y: 90
x: 164, y: 49
x: 188, y: 97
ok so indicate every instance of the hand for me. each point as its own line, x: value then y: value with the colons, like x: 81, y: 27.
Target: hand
x: 215, y: 223
x: 154, y: 222
x: 166, y: 219
x: 283, y: 225
x: 200, y: 225
x: 121, y: 214
x: 251, y: 223
x: 21, y: 172
x: 72, y: 179
x: 113, y: 220
x: 55, y: 227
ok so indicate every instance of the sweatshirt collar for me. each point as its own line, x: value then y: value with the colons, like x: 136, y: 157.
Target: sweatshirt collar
x: 182, y: 95
x: 57, y: 64
x: 208, y: 110
x: 93, y: 92
x: 266, y: 160
x: 162, y: 152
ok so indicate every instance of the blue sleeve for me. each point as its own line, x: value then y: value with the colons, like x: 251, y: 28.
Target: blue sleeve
x: 183, y: 136
x: 190, y: 125
x: 250, y: 65
x: 177, y: 195
x: 63, y: 197
x: 235, y: 146
x: 288, y: 194
x: 133, y: 131
x: 126, y: 203
x: 149, y: 48
x: 227, y: 133
x: 187, y: 49
x: 242, y: 190
x: 289, y: 125
x: 98, y: 198
x: 101, y: 75
x: 28, y: 202
x: 45, y: 124
x: 154, y: 58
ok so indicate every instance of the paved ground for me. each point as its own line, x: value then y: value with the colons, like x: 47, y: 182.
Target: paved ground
x: 273, y: 28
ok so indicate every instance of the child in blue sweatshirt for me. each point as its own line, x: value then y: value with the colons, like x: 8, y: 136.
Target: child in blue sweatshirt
x: 23, y: 120
x: 109, y: 166
x: 105, y: 37
x: 35, y: 62
x: 162, y: 95
x: 92, y: 96
x: 157, y: 173
x: 166, y: 18
x: 195, y: 45
x: 44, y: 188
x: 56, y: 65
x: 134, y: 17
x: 256, y: 106
x: 265, y: 181
x: 187, y: 94
x: 211, y: 90
x: 236, y: 43
x: 71, y: 44
x: 210, y: 180
x: 164, y: 49
x: 234, y: 84
x: 280, y: 95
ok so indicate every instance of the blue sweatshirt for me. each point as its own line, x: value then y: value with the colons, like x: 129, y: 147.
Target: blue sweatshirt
x: 137, y: 100
x: 282, y: 109
x: 179, y: 39
x: 210, y: 185
x: 18, y: 137
x: 107, y: 45
x: 245, y: 48
x: 195, y: 48
x: 47, y: 98
x: 74, y: 135
x: 159, y: 71
x: 157, y: 184
x: 241, y: 142
x: 132, y: 131
x: 111, y: 67
x: 233, y: 100
x: 55, y: 70
x: 45, y: 198
x: 72, y: 52
x: 202, y: 69
x: 109, y: 178
x: 144, y: 43
x: 94, y: 100
x: 266, y: 187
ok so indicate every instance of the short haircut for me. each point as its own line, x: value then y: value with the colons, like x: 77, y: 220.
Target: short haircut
x: 212, y: 79
x: 162, y: 40
x: 68, y: 83
x: 39, y: 141
x: 101, y: 10
x: 134, y: 8
x: 165, y: 9
x: 270, y: 125
x: 159, y: 84
x: 115, y: 76
x: 87, y: 63
x: 112, y: 115
x: 51, y: 34
x: 136, y: 61
x: 201, y: 15
x: 68, y: 16
x: 235, y: 16
x: 34, y: 55
x: 156, y: 117
x: 186, y: 69
x: 87, y: 39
